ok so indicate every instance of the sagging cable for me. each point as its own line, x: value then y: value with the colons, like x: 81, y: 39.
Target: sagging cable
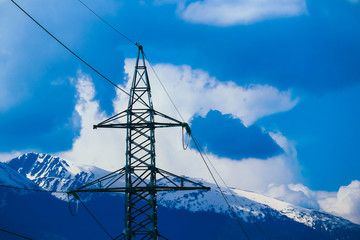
x: 77, y: 203
x: 186, y: 127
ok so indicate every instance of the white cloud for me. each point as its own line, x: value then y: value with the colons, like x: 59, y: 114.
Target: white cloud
x: 346, y: 203
x: 239, y: 12
x: 296, y: 194
x: 195, y: 92
x: 95, y: 147
x: 284, y: 143
x: 250, y: 174
x: 106, y: 147
x: 4, y: 157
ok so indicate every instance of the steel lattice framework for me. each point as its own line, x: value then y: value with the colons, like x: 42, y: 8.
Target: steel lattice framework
x: 138, y: 179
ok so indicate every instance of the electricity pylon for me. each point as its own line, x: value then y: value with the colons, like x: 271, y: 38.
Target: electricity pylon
x: 140, y: 174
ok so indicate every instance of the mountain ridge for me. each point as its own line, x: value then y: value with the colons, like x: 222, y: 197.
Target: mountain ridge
x: 53, y: 173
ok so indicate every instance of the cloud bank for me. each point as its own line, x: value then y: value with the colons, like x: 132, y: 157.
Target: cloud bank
x: 195, y: 90
x: 344, y: 203
x: 196, y: 93
x: 240, y: 12
x: 91, y: 146
x: 296, y: 194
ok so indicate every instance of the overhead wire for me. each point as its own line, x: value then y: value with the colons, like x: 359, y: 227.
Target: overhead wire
x: 67, y: 48
x: 167, y: 93
x: 15, y: 234
x: 50, y: 191
x: 202, y: 153
x: 185, y: 145
x: 96, y: 220
x: 69, y: 205
x: 176, y: 109
x: 232, y: 194
x: 107, y: 23
x: 219, y: 188
x: 135, y: 43
x: 163, y: 86
x: 29, y: 189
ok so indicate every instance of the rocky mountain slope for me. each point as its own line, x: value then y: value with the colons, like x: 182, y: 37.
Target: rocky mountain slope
x: 263, y: 217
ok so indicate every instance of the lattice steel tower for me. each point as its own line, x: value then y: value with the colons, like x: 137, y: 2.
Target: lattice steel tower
x: 138, y: 179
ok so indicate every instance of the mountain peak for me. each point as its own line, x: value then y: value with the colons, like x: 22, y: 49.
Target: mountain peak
x: 54, y: 173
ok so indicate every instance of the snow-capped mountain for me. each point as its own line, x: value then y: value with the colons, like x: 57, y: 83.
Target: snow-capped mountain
x: 251, y: 207
x: 9, y: 177
x: 54, y: 173
x: 278, y: 219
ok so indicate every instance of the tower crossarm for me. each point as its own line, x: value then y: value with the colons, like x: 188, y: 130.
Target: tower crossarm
x: 169, y: 182
x: 138, y: 189
x: 140, y: 179
x: 171, y: 122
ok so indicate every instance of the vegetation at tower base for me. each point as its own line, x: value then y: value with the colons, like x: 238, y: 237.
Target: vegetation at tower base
x: 185, y: 215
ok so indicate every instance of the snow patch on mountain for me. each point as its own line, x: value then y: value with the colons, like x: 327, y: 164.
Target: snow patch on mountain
x: 53, y: 173
x: 9, y: 177
x: 212, y: 201
x: 310, y: 217
x: 56, y: 174
x: 250, y: 207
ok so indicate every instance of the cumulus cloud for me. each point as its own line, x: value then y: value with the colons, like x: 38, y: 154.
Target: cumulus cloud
x: 346, y: 203
x: 196, y: 93
x: 239, y: 12
x: 106, y: 147
x: 296, y: 194
x: 101, y: 148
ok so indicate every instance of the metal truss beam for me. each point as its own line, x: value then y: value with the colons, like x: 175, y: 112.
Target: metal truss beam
x: 138, y: 179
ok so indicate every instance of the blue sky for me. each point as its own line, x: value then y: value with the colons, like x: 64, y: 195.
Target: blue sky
x: 280, y: 78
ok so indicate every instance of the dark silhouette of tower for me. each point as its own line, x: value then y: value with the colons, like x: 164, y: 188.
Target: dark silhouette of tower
x: 138, y: 179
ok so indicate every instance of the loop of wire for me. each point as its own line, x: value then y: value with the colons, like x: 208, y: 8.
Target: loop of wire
x: 70, y: 209
x: 185, y: 146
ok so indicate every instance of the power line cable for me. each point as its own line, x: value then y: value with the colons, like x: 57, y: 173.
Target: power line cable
x: 107, y: 23
x: 201, y: 153
x: 67, y: 48
x: 232, y: 194
x: 167, y: 93
x: 97, y: 221
x: 218, y: 186
x: 29, y: 189
x: 163, y: 86
x: 15, y: 234
x: 173, y: 103
x: 49, y: 191
x: 135, y: 43
x: 198, y: 147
